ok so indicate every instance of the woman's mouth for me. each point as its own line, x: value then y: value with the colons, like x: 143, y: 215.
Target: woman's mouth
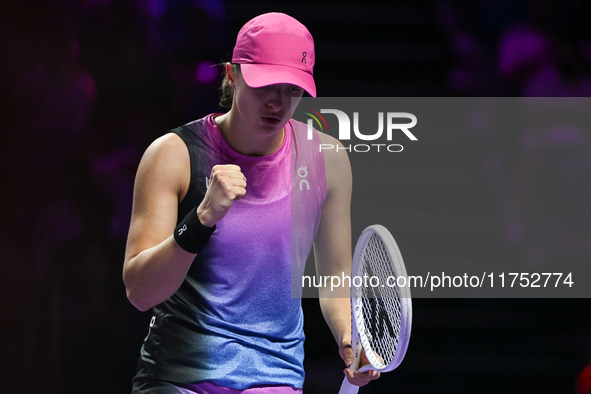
x: 270, y: 121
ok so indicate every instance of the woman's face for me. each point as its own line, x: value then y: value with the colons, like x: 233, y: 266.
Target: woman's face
x: 266, y: 109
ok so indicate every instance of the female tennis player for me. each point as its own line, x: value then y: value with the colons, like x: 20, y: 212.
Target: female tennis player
x: 222, y: 223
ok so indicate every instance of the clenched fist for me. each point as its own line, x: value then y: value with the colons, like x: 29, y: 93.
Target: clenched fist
x: 227, y: 183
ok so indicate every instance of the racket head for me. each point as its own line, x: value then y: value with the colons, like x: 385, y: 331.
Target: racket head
x: 382, y: 314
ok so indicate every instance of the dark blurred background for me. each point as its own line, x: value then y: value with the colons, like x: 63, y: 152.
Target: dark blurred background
x: 86, y: 85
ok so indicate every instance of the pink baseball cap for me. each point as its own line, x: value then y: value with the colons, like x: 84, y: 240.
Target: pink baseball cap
x: 275, y: 48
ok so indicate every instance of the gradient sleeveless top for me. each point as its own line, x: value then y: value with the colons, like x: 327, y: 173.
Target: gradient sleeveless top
x: 234, y: 321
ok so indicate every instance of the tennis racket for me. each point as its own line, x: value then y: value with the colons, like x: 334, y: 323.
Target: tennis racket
x: 381, y: 310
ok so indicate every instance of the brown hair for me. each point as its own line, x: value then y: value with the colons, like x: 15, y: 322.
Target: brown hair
x: 227, y: 90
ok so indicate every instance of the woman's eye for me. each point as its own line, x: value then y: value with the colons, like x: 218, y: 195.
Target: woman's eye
x: 294, y: 89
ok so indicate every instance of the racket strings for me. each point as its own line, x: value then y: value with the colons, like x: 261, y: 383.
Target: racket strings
x: 381, y: 303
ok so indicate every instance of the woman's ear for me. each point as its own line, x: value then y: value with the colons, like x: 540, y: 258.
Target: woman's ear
x: 231, y: 75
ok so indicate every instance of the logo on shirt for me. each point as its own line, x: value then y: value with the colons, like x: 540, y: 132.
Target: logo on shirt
x: 303, y: 173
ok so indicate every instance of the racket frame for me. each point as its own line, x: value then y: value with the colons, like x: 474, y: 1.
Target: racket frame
x: 359, y: 339
x: 358, y: 329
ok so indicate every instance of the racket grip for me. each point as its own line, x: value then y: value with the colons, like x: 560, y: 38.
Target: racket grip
x: 348, y: 388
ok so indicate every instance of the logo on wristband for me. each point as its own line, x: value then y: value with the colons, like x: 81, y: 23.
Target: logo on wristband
x: 182, y: 229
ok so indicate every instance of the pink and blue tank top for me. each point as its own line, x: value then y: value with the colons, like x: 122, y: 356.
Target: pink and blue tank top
x: 236, y: 320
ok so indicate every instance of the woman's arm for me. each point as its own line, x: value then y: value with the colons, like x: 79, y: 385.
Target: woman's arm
x: 332, y: 252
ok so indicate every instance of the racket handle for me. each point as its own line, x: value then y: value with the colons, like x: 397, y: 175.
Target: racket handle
x: 348, y: 388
